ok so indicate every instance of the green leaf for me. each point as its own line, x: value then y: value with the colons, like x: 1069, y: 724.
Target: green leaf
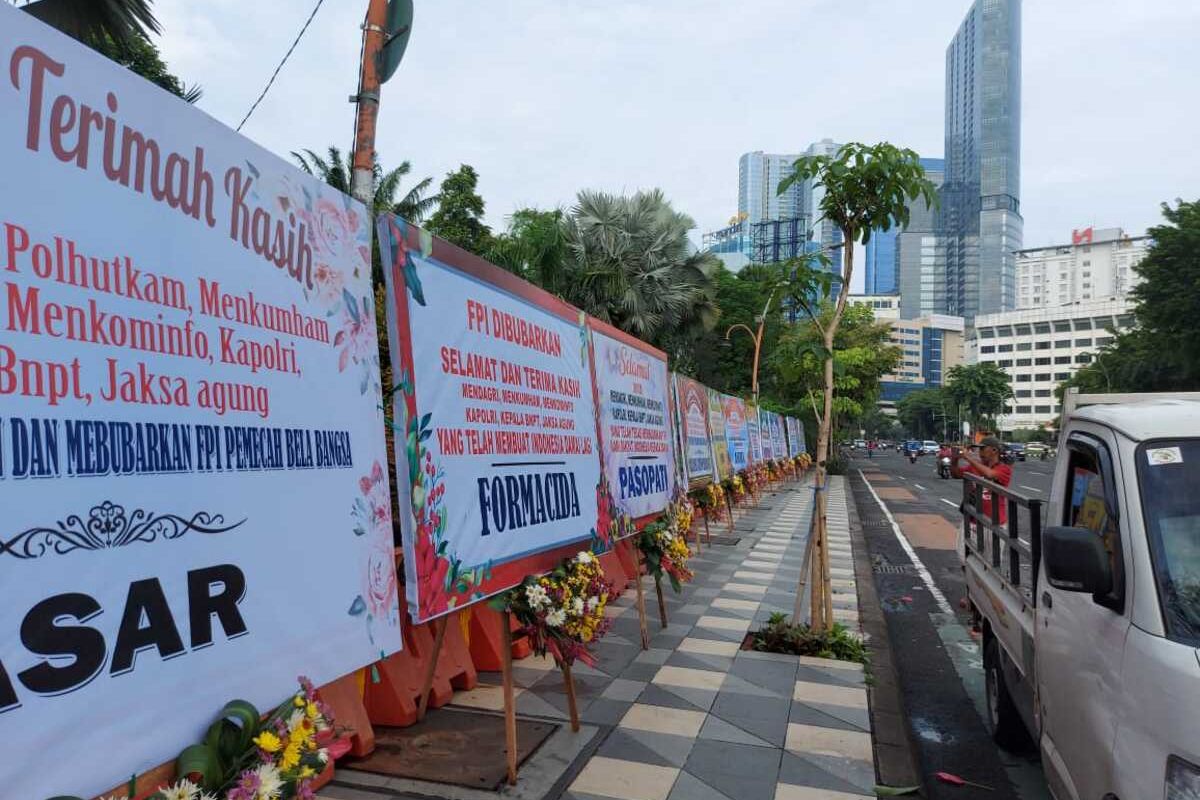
x: 199, y: 759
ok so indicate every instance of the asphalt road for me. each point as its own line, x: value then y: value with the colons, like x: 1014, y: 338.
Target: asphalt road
x: 919, y: 582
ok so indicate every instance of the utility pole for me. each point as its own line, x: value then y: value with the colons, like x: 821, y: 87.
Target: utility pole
x: 362, y: 179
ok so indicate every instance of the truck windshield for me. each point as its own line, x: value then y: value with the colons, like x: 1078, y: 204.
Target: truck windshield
x: 1171, y: 505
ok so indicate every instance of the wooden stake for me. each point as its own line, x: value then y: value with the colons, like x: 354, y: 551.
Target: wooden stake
x: 707, y: 535
x: 510, y: 703
x: 662, y: 605
x: 439, y: 636
x: 641, y: 602
x: 572, y: 706
x: 729, y: 508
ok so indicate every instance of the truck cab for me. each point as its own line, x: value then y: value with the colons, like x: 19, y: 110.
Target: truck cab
x: 1089, y: 605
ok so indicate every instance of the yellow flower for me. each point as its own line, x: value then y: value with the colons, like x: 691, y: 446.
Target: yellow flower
x: 268, y: 742
x: 298, y: 700
x: 291, y: 757
x: 311, y: 711
x: 307, y: 772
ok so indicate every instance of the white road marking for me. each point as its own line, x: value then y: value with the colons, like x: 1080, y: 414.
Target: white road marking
x: 948, y: 502
x: 1030, y: 488
x: 1036, y: 472
x: 926, y: 578
x: 919, y: 486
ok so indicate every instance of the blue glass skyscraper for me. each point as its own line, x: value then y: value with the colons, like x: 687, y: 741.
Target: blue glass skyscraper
x: 979, y: 222
x: 883, y: 258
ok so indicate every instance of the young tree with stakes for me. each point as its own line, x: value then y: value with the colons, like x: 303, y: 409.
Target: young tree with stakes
x: 867, y: 188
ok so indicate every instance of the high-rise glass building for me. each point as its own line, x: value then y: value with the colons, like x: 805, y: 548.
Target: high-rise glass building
x: 880, y: 267
x: 979, y: 223
x: 759, y: 175
x: 920, y: 261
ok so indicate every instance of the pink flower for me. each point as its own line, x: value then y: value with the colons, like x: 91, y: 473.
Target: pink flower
x: 330, y: 283
x: 380, y: 590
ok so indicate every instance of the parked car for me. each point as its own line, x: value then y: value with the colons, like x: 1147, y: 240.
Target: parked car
x: 1090, y: 627
x: 860, y: 444
x: 1013, y: 452
x: 929, y: 447
x: 1037, y: 450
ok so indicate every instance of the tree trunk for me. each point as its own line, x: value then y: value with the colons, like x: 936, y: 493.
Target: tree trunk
x: 822, y: 601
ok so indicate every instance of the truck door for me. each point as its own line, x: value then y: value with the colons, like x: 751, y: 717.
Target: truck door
x: 1080, y: 637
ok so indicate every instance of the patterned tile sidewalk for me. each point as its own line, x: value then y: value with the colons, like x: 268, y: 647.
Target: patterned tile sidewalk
x: 697, y: 718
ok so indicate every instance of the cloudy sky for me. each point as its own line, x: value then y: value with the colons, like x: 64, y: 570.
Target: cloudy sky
x: 545, y: 98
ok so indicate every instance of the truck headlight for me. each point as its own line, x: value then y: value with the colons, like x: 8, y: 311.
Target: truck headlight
x: 1183, y: 780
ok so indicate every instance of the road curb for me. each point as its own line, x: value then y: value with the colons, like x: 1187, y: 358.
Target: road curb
x: 895, y: 752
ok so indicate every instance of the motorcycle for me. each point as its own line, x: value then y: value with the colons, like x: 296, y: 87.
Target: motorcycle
x: 944, y: 467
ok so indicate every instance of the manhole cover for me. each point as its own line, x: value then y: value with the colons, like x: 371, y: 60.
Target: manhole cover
x: 891, y: 569
x: 464, y: 748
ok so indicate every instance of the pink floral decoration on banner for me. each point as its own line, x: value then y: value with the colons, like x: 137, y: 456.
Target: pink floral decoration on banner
x: 380, y: 586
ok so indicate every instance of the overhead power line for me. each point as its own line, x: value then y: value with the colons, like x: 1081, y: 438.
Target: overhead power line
x: 286, y: 56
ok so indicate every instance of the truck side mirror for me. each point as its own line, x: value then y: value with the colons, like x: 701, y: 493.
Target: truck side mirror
x: 1076, y: 561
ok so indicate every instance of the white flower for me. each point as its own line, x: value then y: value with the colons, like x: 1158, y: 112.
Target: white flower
x: 323, y: 755
x: 556, y: 618
x: 183, y: 790
x: 592, y: 603
x: 296, y: 719
x: 585, y: 557
x: 535, y: 594
x: 207, y: 796
x: 577, y: 606
x: 269, y: 783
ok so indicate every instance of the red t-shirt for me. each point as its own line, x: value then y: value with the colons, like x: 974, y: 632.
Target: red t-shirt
x: 1003, y: 476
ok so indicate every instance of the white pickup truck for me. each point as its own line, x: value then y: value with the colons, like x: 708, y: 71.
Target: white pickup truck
x: 1089, y: 605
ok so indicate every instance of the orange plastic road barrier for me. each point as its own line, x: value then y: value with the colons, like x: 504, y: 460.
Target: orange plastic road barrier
x: 486, y: 639
x: 345, y: 700
x: 455, y: 660
x: 393, y: 699
x: 422, y: 641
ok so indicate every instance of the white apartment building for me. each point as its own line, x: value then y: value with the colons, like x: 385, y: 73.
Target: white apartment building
x: 1040, y: 348
x: 1097, y: 263
x: 885, y: 306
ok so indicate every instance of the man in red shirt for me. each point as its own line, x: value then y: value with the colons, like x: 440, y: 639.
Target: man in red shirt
x: 987, y: 465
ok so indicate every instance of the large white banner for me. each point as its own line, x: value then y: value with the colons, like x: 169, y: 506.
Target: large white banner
x: 498, y: 421
x: 632, y: 387
x: 193, y: 478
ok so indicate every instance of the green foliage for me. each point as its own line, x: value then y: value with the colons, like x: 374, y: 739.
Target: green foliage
x: 97, y: 22
x: 924, y: 412
x: 140, y: 55
x: 781, y: 636
x: 981, y: 390
x: 630, y: 264
x: 867, y: 187
x: 459, y: 216
x: 862, y: 355
x: 725, y: 363
x: 337, y: 170
x: 118, y: 29
x: 534, y: 247
x: 1163, y: 352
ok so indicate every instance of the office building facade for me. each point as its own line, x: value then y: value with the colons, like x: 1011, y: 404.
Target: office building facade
x: 920, y: 269
x: 1039, y: 348
x: 879, y: 269
x: 930, y: 347
x: 759, y: 175
x: 980, y: 228
x: 1097, y: 263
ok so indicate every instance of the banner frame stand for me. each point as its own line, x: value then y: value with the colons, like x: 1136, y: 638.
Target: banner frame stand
x: 572, y: 703
x: 510, y: 703
x: 641, y: 602
x: 439, y: 636
x: 662, y: 603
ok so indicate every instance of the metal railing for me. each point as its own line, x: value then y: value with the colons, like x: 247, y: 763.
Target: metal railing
x: 1000, y: 543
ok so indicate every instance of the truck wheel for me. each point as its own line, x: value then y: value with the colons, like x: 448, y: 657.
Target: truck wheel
x: 1008, y: 730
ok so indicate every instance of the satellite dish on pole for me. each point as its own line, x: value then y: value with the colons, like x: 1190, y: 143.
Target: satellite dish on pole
x: 399, y: 26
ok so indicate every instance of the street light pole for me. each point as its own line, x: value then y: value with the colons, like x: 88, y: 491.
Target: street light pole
x: 757, y: 336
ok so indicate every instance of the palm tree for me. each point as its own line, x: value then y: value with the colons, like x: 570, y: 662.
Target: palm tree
x: 94, y: 22
x: 336, y: 170
x: 631, y: 265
